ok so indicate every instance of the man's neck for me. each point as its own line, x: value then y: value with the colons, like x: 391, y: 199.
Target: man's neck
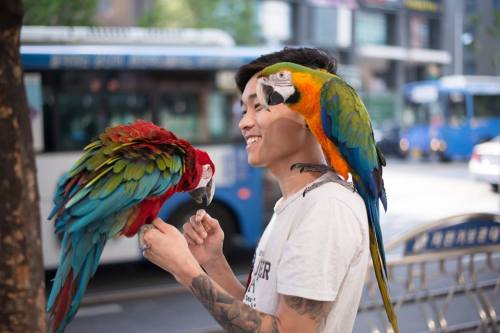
x: 290, y: 181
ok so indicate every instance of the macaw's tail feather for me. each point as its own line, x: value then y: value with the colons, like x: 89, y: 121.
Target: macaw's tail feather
x: 377, y: 249
x: 382, y: 282
x: 374, y: 225
x: 372, y: 210
x: 79, y: 261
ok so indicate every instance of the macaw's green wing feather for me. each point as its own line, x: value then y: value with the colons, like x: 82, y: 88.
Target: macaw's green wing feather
x: 346, y: 123
x: 107, y: 181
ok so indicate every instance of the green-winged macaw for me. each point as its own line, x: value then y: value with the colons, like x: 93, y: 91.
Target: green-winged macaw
x: 118, y: 185
x: 340, y: 122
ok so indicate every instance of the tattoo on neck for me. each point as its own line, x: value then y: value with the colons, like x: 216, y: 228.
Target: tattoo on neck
x: 230, y: 313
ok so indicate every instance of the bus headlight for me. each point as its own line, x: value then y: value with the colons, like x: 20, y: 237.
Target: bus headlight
x: 404, y: 145
x: 438, y: 145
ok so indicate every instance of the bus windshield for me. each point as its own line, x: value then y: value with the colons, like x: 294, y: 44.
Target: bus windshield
x: 421, y: 114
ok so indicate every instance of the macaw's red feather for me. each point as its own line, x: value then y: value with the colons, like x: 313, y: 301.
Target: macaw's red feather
x: 63, y: 301
x: 145, y: 213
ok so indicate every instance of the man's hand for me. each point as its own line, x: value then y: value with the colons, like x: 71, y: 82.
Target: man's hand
x: 166, y: 247
x: 205, y: 238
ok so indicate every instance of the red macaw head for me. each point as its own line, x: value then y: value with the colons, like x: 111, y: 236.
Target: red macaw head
x: 204, y: 189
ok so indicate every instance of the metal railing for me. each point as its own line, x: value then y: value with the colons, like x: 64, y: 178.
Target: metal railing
x: 446, y: 279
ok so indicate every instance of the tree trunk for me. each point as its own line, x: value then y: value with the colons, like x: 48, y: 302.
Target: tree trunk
x: 22, y: 290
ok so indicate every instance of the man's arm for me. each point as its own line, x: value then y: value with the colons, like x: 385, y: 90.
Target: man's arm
x: 168, y: 249
x: 205, y: 238
x: 294, y: 314
x: 221, y: 272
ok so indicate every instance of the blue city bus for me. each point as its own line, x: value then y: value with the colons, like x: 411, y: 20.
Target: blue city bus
x: 448, y: 116
x: 76, y: 90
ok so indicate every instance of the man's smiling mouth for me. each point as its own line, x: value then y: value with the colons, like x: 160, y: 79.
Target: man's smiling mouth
x: 251, y: 139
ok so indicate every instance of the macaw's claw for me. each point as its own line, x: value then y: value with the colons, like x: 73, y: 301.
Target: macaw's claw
x: 335, y: 179
x: 308, y: 167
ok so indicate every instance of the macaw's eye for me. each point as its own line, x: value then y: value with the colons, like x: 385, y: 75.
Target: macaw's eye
x: 281, y: 75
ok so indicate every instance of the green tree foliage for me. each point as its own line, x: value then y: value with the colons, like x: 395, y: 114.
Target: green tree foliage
x: 236, y: 17
x: 60, y: 12
x: 491, y: 29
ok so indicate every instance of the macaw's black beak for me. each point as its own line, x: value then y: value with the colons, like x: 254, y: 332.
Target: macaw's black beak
x: 272, y: 96
x: 204, y: 195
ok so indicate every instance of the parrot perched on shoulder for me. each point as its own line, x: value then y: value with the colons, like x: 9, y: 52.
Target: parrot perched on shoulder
x: 118, y: 185
x: 340, y: 122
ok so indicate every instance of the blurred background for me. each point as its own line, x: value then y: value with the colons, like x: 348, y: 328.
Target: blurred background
x: 427, y: 70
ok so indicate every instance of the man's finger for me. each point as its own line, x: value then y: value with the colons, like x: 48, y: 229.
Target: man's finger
x: 189, y: 239
x: 206, y: 220
x: 198, y: 226
x: 150, y: 235
x: 193, y: 234
x: 209, y: 223
x: 161, y: 225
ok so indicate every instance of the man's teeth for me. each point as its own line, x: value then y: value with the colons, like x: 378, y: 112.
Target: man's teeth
x: 252, y: 139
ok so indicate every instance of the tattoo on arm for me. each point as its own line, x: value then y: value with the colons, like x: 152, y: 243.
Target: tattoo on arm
x: 230, y: 313
x: 316, y: 310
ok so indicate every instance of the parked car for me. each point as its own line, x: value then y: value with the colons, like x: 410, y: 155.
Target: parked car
x: 387, y: 139
x: 484, y: 164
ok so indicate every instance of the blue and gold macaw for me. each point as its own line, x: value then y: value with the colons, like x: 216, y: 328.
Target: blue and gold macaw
x: 340, y: 122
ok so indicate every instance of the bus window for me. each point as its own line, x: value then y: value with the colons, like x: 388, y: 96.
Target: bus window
x: 180, y: 112
x: 78, y: 116
x: 456, y: 109
x: 421, y: 114
x: 125, y: 108
x: 486, y: 106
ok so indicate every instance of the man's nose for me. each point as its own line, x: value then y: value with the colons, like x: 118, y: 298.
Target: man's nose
x: 247, y: 121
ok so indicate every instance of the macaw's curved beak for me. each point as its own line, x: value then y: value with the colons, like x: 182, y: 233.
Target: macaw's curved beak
x: 205, y: 194
x: 271, y: 96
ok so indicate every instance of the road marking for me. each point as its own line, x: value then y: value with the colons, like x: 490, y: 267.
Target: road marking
x: 140, y: 293
x: 90, y: 311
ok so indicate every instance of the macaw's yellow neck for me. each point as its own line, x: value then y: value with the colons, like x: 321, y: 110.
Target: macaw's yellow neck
x: 309, y: 107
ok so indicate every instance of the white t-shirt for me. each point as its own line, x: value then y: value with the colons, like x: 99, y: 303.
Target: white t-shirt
x: 315, y: 247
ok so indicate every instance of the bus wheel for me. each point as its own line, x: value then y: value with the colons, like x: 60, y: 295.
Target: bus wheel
x: 217, y: 211
x: 443, y: 158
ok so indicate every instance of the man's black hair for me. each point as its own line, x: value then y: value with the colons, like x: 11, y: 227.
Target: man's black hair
x: 305, y: 56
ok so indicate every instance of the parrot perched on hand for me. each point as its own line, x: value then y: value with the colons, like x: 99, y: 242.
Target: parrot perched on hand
x: 118, y: 185
x: 340, y: 122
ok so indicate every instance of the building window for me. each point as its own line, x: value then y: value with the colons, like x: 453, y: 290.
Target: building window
x: 324, y: 26
x: 371, y: 28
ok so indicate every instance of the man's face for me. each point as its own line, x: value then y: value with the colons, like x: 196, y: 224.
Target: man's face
x: 273, y: 135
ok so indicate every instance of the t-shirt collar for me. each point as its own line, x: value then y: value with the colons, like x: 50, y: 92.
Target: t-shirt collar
x: 281, y: 204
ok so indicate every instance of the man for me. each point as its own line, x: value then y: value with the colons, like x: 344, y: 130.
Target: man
x: 311, y: 261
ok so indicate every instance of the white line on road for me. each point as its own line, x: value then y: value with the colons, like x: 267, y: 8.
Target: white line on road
x: 98, y: 310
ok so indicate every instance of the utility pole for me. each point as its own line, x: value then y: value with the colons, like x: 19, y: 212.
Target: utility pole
x: 22, y: 290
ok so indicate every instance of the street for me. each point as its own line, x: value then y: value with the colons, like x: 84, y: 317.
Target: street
x: 140, y: 298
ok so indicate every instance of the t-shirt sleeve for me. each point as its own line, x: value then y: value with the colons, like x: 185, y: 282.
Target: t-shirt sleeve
x: 317, y: 255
